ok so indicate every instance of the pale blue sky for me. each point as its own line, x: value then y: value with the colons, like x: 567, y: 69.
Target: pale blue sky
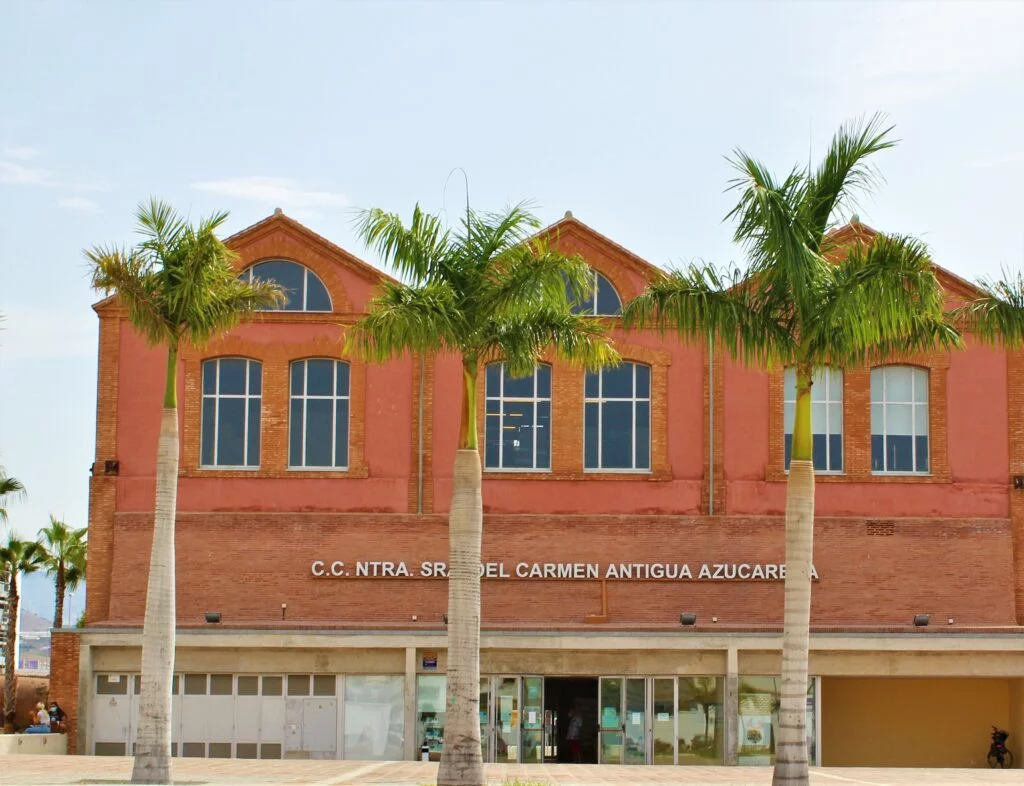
x: 621, y: 112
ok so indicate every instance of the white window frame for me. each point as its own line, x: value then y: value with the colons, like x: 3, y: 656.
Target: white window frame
x: 334, y: 399
x: 593, y: 312
x: 916, y: 373
x: 217, y: 396
x: 305, y: 285
x: 535, y: 400
x: 601, y: 400
x: 828, y: 401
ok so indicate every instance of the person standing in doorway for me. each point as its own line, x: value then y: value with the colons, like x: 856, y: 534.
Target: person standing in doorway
x: 572, y: 735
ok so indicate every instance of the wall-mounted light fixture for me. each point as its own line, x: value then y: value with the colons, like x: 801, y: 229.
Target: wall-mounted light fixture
x: 444, y: 618
x: 921, y: 620
x: 688, y: 619
x: 212, y: 617
x: 284, y: 610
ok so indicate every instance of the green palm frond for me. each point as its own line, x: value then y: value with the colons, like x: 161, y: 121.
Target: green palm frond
x: 532, y: 271
x: 845, y: 171
x: 520, y: 340
x: 404, y: 318
x: 21, y: 556
x: 997, y: 315
x: 485, y: 236
x: 418, y: 252
x: 10, y: 488
x: 701, y: 300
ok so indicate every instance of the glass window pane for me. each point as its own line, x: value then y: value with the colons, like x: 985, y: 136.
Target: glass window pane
x: 643, y: 381
x: 246, y: 750
x: 298, y: 684
x: 789, y: 384
x: 248, y: 686
x: 835, y: 384
x: 643, y: 435
x: 818, y: 418
x: 210, y: 376
x: 543, y: 435
x: 493, y: 380
x: 341, y: 433
x: 921, y: 420
x: 921, y: 459
x: 270, y: 750
x: 820, y: 446
x: 899, y: 419
x: 220, y: 684
x: 492, y: 437
x: 788, y: 448
x: 288, y: 275
x: 898, y: 384
x: 819, y: 387
x: 375, y: 718
x: 253, y: 447
x: 430, y: 712
x: 272, y: 686
x: 298, y: 373
x: 701, y: 718
x: 877, y: 452
x: 518, y: 387
x: 232, y: 376
x: 296, y: 429
x: 230, y: 432
x: 209, y: 426
x: 877, y: 419
x: 111, y: 685
x: 788, y: 415
x: 759, y: 699
x: 899, y: 453
x: 584, y: 305
x: 618, y: 381
x: 319, y: 377
x: 617, y: 435
x: 319, y: 430
x: 255, y: 378
x: 591, y: 384
x: 343, y: 377
x: 517, y: 435
x: 317, y: 298
x: 492, y: 406
x: 835, y: 419
x: 543, y: 381
x: 920, y: 384
x: 591, y: 436
x: 876, y: 384
x: 835, y: 452
x: 324, y: 685
x: 608, y: 302
x: 195, y: 684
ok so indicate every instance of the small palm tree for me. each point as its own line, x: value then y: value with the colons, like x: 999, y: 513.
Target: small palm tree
x: 490, y: 290
x: 10, y: 488
x: 179, y: 286
x: 64, y: 558
x: 996, y: 316
x: 16, y: 557
x: 805, y: 302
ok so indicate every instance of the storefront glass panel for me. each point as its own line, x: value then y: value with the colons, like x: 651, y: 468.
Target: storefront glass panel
x: 533, y: 720
x: 485, y: 722
x: 636, y: 721
x: 759, y: 699
x: 610, y: 719
x: 506, y: 705
x: 663, y: 705
x: 374, y: 717
x: 701, y: 720
x: 430, y: 714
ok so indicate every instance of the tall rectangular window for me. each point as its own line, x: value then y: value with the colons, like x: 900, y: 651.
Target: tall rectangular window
x: 518, y: 419
x: 826, y: 416
x: 899, y: 419
x: 319, y: 421
x: 617, y: 418
x: 232, y: 393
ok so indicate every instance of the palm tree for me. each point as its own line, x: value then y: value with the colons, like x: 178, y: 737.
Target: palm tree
x: 9, y: 488
x: 997, y: 314
x: 807, y: 302
x: 63, y: 554
x: 489, y: 290
x: 16, y: 557
x: 179, y: 286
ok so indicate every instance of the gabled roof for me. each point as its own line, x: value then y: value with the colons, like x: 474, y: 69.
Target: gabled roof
x: 570, y: 225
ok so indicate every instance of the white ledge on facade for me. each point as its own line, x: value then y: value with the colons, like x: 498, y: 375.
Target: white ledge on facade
x: 36, y: 744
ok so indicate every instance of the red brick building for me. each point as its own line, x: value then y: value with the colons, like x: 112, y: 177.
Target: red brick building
x: 633, y: 538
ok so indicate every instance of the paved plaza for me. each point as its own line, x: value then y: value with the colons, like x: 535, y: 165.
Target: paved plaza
x: 193, y: 772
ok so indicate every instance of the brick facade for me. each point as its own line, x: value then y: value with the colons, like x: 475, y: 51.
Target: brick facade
x: 64, y: 658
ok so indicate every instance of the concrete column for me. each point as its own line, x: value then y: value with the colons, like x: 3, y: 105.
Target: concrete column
x: 412, y: 745
x: 732, y: 706
x: 83, y: 732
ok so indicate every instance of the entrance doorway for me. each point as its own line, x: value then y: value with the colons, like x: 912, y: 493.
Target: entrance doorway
x: 562, y: 694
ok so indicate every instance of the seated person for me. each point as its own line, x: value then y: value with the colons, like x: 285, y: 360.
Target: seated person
x: 58, y: 718
x: 40, y: 721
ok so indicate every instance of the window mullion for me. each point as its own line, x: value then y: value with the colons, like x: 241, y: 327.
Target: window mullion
x: 216, y: 413
x: 305, y: 410
x: 245, y: 417
x: 334, y: 414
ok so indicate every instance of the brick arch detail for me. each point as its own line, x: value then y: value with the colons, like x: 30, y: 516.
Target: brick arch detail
x: 276, y: 358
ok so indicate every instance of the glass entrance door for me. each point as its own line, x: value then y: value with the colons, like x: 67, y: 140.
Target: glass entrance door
x: 609, y: 719
x: 663, y: 720
x: 624, y: 711
x: 505, y: 743
x: 635, y: 717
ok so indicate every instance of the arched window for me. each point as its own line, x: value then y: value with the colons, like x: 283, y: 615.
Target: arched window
x: 617, y: 418
x: 899, y: 419
x: 826, y: 416
x: 305, y: 290
x: 232, y: 393
x: 319, y: 420
x: 518, y: 419
x: 603, y: 301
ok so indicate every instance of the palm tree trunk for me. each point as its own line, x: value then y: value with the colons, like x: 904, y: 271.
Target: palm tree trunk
x: 10, y: 648
x: 153, y: 746
x: 791, y: 744
x: 461, y: 761
x: 58, y: 611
